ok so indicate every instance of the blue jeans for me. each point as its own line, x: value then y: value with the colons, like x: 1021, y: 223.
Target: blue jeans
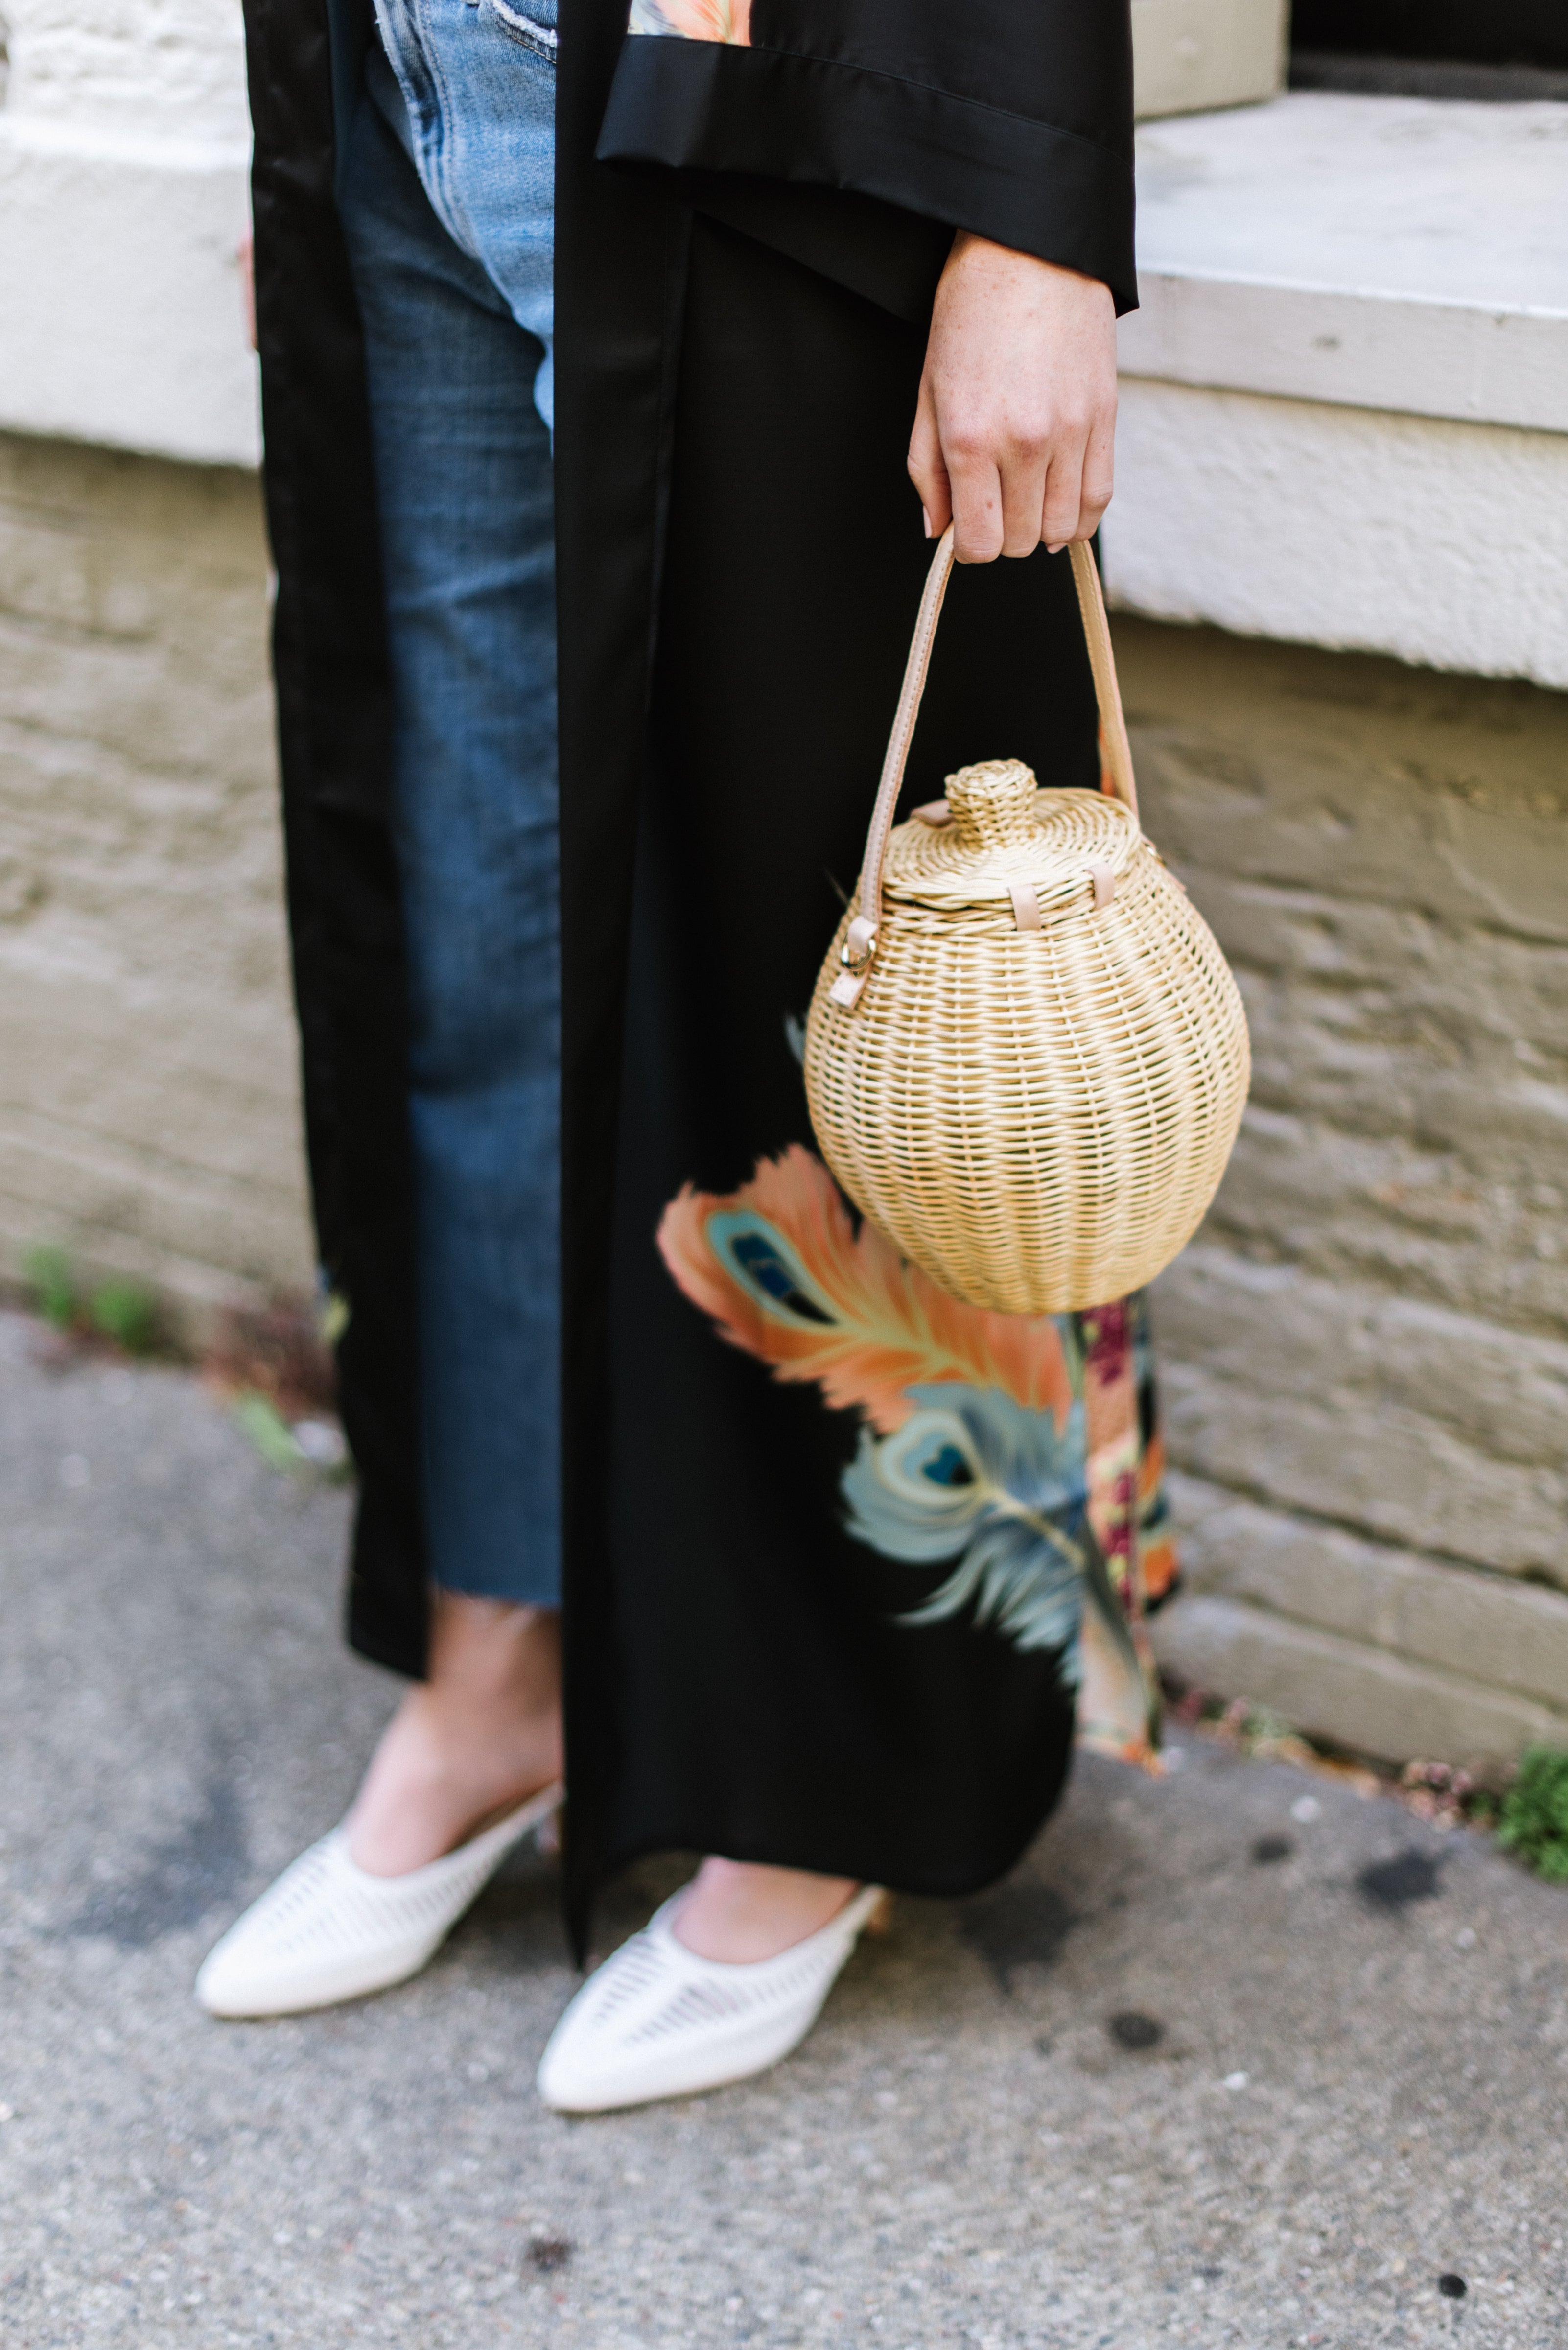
x: 446, y: 193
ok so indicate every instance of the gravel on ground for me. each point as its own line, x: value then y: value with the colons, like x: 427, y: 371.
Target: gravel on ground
x: 1236, y: 2057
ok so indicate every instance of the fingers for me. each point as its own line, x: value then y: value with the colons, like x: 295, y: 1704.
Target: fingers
x: 246, y: 255
x: 1007, y: 490
x: 1026, y: 470
x: 1062, y: 504
x: 927, y: 470
x: 1016, y: 418
x: 996, y: 481
x: 1099, y: 470
x: 979, y: 506
x: 1010, y: 493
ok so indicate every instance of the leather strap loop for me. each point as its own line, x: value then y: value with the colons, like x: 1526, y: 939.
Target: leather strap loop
x: 1114, y: 746
x: 1116, y: 753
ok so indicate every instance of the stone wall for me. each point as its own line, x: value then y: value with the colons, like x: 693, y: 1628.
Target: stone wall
x: 1365, y: 1352
x: 149, y: 1116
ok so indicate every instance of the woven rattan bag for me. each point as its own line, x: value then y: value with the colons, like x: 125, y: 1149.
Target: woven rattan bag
x: 1026, y: 1057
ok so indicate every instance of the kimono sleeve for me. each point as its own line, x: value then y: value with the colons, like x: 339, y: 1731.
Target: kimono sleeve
x: 1010, y: 118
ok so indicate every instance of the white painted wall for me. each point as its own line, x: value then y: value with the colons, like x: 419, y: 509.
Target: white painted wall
x: 151, y: 69
x: 1444, y: 543
x: 1344, y: 403
x: 124, y: 147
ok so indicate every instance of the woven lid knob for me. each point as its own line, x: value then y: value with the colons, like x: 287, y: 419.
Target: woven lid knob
x: 994, y: 805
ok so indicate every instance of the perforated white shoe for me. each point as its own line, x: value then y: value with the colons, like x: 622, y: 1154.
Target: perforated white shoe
x: 327, y: 1929
x: 655, y: 2021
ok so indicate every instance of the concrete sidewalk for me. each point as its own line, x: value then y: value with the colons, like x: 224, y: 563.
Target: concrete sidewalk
x: 1236, y: 2058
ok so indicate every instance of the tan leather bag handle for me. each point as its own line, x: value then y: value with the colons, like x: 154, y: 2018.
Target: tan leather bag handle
x: 860, y: 944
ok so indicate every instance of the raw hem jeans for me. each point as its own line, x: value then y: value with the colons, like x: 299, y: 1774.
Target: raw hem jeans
x: 447, y: 197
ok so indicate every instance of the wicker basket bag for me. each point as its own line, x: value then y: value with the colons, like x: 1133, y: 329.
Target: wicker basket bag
x: 1026, y: 1057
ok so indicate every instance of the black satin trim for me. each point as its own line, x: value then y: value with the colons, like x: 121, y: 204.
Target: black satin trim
x: 701, y: 106
x: 335, y: 720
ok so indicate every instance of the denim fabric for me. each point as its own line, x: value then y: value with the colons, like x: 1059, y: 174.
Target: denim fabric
x: 477, y: 80
x: 465, y: 495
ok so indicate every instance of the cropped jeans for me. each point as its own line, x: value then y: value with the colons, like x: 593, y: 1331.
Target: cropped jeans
x: 446, y: 192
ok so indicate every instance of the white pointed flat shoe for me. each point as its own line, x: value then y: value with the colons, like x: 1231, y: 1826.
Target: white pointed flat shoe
x: 327, y: 1929
x: 655, y: 2021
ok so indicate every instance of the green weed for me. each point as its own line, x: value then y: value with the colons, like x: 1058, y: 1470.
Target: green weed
x: 271, y: 1434
x: 120, y: 1310
x: 125, y: 1311
x: 54, y: 1285
x: 1535, y: 1812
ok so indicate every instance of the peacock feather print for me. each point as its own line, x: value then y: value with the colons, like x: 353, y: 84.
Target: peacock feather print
x: 1003, y: 1447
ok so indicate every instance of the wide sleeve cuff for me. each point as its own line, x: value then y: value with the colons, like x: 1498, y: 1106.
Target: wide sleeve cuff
x: 705, y: 106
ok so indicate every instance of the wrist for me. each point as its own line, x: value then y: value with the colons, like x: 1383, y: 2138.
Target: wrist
x: 970, y: 247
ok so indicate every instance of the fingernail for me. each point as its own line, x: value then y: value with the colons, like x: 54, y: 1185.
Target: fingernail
x: 1057, y: 548
x: 926, y: 518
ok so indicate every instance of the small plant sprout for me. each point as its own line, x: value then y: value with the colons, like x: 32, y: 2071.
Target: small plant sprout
x: 125, y: 1311
x: 1535, y: 1812
x: 53, y: 1282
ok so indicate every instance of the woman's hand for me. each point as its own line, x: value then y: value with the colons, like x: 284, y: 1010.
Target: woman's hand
x: 246, y: 256
x: 1016, y: 420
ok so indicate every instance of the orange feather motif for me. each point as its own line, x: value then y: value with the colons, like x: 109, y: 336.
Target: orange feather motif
x: 864, y: 1324
x: 785, y: 1275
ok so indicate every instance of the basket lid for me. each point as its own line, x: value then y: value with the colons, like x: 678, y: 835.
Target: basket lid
x: 996, y: 828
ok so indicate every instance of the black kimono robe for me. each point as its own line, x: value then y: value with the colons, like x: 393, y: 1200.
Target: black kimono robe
x: 771, y: 1653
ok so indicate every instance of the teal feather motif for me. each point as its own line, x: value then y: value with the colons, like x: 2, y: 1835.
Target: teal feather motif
x: 977, y: 1448
x: 972, y: 1476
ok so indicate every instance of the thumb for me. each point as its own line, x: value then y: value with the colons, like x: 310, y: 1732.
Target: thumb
x: 927, y: 470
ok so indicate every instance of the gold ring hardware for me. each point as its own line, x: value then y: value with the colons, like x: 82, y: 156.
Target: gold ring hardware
x: 859, y: 944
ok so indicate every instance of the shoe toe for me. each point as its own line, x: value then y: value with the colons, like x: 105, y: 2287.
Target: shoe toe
x: 567, y: 2079
x: 251, y: 1972
x: 223, y: 1982
x: 587, y: 2067
x: 320, y: 1933
x: 327, y: 1930
x: 239, y: 1974
x: 657, y: 2021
